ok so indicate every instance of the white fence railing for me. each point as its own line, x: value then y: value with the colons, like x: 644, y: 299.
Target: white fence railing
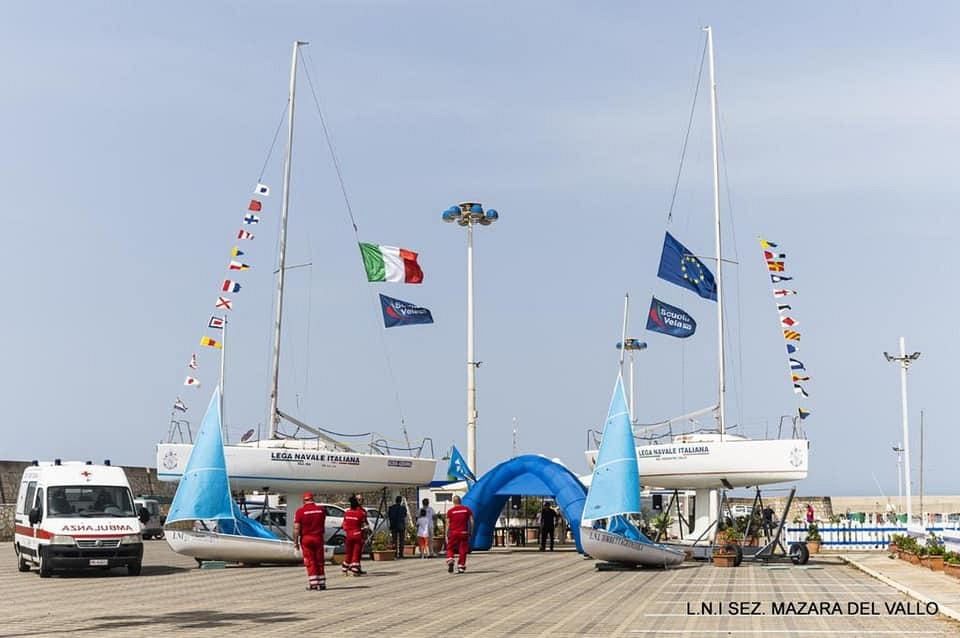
x: 852, y: 535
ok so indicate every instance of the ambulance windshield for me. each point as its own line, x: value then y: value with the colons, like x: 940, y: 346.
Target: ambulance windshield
x: 89, y: 501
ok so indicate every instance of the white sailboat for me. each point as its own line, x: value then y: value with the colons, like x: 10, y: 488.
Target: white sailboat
x: 614, y: 493
x: 710, y: 461
x: 290, y: 465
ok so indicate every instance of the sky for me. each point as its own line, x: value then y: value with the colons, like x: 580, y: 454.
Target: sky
x: 134, y: 134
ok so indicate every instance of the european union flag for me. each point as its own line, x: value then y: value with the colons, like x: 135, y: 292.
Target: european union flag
x: 679, y: 266
x: 458, y: 468
x: 402, y: 313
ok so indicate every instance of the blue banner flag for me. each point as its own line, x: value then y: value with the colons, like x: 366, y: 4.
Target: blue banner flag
x: 679, y: 266
x: 458, y: 467
x: 669, y: 320
x: 402, y: 313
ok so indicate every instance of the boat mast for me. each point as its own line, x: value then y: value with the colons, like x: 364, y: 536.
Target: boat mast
x: 722, y: 386
x: 274, y: 416
x: 223, y: 367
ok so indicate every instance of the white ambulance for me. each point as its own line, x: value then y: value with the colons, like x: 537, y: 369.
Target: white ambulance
x: 75, y: 515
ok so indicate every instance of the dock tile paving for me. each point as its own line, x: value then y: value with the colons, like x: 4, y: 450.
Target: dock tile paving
x: 504, y: 592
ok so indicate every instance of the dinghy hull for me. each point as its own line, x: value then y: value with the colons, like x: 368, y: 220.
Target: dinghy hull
x: 613, y: 548
x: 204, y: 545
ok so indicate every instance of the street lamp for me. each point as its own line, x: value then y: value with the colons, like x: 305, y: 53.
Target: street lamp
x: 469, y: 214
x: 898, y: 449
x: 904, y: 360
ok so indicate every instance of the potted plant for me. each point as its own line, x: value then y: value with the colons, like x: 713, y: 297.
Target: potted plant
x: 380, y: 547
x: 895, y: 545
x: 951, y: 564
x: 813, y: 538
x: 410, y: 540
x: 662, y: 522
x: 725, y: 548
x: 909, y: 549
x: 934, y: 557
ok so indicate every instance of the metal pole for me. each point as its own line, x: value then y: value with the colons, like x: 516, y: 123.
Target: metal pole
x: 900, y: 476
x: 471, y: 364
x: 904, y: 363
x: 274, y: 416
x: 923, y: 520
x: 716, y: 212
x: 223, y: 367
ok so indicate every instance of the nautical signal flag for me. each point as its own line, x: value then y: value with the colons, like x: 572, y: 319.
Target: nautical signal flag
x: 262, y: 189
x: 796, y: 364
x: 229, y: 286
x: 778, y: 278
x: 242, y: 234
x: 179, y: 405
x: 782, y: 308
x: 236, y: 252
x: 210, y: 343
x: 798, y: 389
x: 223, y: 303
x: 192, y: 381
x: 402, y: 313
x: 216, y: 322
x: 769, y: 256
x: 799, y: 377
x: 681, y: 267
x: 391, y: 264
x: 767, y: 244
x: 775, y: 266
x: 788, y: 322
x: 791, y: 348
x: 250, y: 218
x: 791, y: 335
x: 236, y: 265
x: 803, y: 413
x: 193, y: 362
x: 255, y: 205
x: 780, y: 292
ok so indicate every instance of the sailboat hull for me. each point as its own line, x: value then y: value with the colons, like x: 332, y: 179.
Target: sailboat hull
x: 204, y: 545
x: 289, y: 470
x: 718, y: 464
x: 602, y: 545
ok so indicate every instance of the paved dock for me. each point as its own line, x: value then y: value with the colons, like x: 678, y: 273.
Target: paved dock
x: 519, y: 592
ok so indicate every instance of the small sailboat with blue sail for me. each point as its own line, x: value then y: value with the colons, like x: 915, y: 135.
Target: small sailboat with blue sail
x: 615, y: 493
x: 204, y: 520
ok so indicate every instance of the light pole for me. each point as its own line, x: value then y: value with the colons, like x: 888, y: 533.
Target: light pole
x: 468, y: 214
x: 905, y: 360
x: 631, y: 345
x: 899, y: 450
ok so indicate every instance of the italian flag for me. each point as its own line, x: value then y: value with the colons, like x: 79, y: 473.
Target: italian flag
x: 389, y: 263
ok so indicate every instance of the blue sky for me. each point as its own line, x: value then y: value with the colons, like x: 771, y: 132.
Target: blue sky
x: 134, y: 133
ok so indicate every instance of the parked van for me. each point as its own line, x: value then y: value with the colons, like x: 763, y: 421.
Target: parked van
x: 152, y: 527
x: 77, y: 515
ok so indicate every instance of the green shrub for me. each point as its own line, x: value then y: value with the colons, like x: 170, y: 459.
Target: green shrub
x: 813, y: 532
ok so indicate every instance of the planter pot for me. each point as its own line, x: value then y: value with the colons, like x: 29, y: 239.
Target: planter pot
x: 385, y: 554
x: 813, y: 547
x: 437, y: 545
x: 724, y: 559
x: 893, y: 549
x: 910, y: 557
x: 410, y: 550
x: 951, y: 569
x: 933, y: 562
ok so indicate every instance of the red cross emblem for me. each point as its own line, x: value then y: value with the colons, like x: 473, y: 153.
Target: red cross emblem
x: 85, y: 474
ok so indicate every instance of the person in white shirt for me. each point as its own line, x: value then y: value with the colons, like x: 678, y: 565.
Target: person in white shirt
x: 424, y: 523
x: 431, y: 516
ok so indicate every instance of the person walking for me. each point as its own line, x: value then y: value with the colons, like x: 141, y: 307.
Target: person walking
x: 397, y: 515
x: 548, y: 524
x: 355, y: 530
x: 309, y: 523
x: 809, y: 514
x: 431, y: 516
x: 459, y: 522
x: 423, y: 532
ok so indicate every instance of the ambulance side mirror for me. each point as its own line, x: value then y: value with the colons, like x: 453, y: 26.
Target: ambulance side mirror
x: 35, y: 515
x: 143, y: 514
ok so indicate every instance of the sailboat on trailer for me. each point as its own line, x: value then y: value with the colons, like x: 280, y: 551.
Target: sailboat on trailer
x: 288, y: 464
x: 615, y: 493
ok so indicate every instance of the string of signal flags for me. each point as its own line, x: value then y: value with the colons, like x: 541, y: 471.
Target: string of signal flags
x: 777, y: 269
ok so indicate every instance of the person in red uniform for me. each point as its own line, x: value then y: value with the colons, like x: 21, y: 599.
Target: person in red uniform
x: 459, y: 522
x: 308, y: 529
x: 355, y: 530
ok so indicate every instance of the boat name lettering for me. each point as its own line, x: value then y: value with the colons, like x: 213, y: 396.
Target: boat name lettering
x: 613, y: 539
x: 100, y: 527
x: 343, y: 459
x: 398, y: 463
x: 673, y: 450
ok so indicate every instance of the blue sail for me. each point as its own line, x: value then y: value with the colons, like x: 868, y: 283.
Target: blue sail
x: 204, y: 490
x: 615, y: 488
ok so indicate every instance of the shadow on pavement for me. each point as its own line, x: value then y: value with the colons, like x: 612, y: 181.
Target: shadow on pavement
x: 185, y: 620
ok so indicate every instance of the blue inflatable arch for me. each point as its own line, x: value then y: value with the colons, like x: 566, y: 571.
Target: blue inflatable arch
x: 529, y: 475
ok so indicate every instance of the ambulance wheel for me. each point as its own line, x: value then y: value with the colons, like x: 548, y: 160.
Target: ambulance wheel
x: 799, y: 554
x: 45, y: 570
x: 133, y: 569
x: 22, y: 565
